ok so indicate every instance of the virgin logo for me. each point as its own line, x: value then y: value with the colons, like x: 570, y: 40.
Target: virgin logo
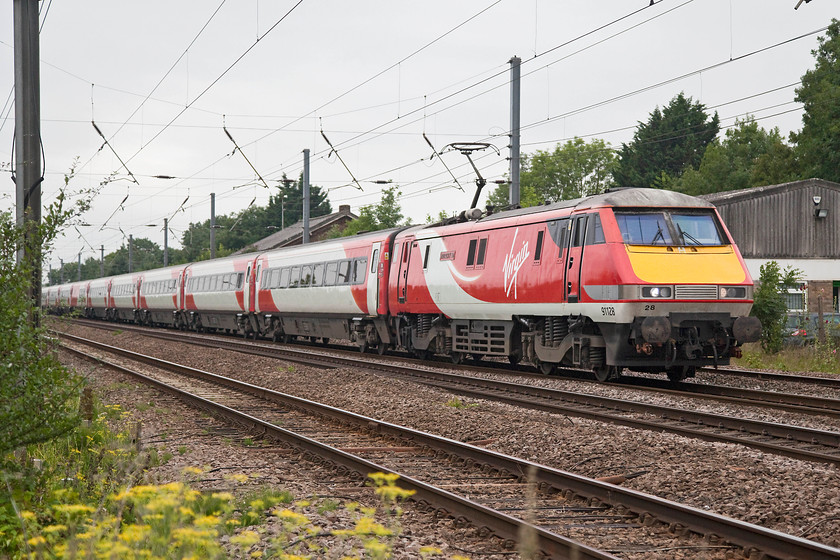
x: 513, y: 262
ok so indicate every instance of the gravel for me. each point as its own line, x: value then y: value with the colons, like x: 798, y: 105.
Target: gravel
x: 787, y: 495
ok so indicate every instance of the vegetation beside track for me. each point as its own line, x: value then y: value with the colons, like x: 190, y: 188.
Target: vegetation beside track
x: 84, y: 495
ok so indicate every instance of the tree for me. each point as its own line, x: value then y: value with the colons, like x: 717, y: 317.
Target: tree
x: 769, y: 303
x: 748, y: 156
x: 572, y: 170
x: 671, y: 141
x: 239, y: 229
x: 818, y: 143
x: 500, y: 196
x: 386, y: 214
x: 37, y: 394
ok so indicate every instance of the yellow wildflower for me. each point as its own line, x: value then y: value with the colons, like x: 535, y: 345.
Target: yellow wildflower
x: 54, y: 529
x: 209, y: 521
x: 134, y: 533
x: 246, y: 539
x: 193, y: 470
x: 293, y: 517
x: 431, y: 550
x: 367, y: 526
x: 37, y: 541
x: 28, y: 515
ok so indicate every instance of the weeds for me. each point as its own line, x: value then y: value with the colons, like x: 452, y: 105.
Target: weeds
x: 458, y: 403
x: 89, y: 500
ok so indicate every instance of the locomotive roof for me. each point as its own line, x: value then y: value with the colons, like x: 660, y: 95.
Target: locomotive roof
x: 631, y: 198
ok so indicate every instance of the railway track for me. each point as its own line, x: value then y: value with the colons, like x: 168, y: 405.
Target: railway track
x: 833, y: 382
x: 472, y: 484
x: 782, y: 439
x: 790, y: 402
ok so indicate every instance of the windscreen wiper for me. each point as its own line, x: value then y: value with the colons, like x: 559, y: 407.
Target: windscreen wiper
x: 658, y: 234
x: 685, y: 235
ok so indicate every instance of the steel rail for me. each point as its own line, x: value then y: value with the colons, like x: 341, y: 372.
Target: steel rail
x: 746, y: 535
x: 683, y: 422
x: 774, y: 376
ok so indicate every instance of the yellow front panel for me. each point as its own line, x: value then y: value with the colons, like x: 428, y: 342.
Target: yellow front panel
x: 686, y: 265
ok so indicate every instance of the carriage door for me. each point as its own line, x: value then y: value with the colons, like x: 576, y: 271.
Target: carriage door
x: 575, y: 259
x: 246, y: 289
x: 402, y: 280
x: 373, y: 279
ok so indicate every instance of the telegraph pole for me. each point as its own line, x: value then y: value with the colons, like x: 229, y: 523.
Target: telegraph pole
x: 212, y: 225
x: 130, y: 243
x: 514, y: 130
x: 305, y: 196
x: 166, y: 241
x: 102, y: 261
x: 80, y: 266
x: 28, y: 136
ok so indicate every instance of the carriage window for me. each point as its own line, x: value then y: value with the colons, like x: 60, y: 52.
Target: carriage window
x: 332, y: 269
x: 595, y: 234
x: 538, y: 249
x: 294, y: 278
x: 361, y: 271
x: 343, y: 272
x: 482, y: 251
x: 285, y: 274
x: 318, y: 275
x: 239, y: 280
x: 373, y: 260
x: 275, y: 278
x: 305, y: 275
x: 471, y: 252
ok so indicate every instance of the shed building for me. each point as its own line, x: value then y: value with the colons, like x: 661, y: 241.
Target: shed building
x: 796, y: 224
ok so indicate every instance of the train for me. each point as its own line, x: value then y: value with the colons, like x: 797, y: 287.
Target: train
x: 642, y: 279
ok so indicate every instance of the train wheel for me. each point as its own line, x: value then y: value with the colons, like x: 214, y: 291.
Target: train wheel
x: 515, y: 358
x: 457, y: 357
x: 363, y: 347
x: 607, y: 373
x: 477, y: 358
x: 382, y: 348
x: 547, y: 368
x: 325, y: 340
x: 423, y: 354
x: 678, y: 373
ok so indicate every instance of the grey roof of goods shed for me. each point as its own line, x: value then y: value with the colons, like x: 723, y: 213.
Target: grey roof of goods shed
x: 292, y: 235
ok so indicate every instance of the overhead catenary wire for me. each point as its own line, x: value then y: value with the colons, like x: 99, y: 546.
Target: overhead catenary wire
x: 484, y: 80
x: 413, y: 162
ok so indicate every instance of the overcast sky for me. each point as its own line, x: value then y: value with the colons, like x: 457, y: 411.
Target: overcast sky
x: 161, y: 79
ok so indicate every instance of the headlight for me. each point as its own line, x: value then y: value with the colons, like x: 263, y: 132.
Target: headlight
x: 657, y: 292
x: 733, y: 292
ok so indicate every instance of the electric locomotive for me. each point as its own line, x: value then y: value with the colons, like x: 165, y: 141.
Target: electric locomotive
x: 634, y: 278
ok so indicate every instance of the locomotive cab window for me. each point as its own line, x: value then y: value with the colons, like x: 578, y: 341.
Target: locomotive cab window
x: 682, y: 228
x: 471, y: 252
x: 482, y: 252
x: 538, y: 248
x: 426, y: 257
x: 595, y: 233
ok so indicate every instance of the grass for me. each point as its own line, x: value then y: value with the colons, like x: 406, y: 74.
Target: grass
x: 89, y: 498
x: 809, y: 357
x: 456, y: 402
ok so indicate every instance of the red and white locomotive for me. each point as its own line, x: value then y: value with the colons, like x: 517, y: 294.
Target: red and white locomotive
x: 633, y: 278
